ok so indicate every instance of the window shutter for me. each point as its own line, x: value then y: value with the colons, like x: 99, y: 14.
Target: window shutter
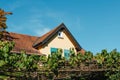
x: 66, y: 53
x: 53, y: 50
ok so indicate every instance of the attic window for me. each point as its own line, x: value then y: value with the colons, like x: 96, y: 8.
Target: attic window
x: 60, y: 34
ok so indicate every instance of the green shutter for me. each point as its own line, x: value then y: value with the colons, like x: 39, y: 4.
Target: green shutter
x: 66, y: 54
x: 53, y: 50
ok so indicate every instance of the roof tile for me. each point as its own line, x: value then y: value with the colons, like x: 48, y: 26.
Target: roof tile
x: 24, y: 42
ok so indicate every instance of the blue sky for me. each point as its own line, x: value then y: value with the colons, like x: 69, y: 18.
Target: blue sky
x: 94, y: 23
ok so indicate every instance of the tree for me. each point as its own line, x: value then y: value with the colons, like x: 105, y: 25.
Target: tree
x: 3, y: 25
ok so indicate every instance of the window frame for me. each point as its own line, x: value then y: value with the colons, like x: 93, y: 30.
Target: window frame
x: 53, y: 50
x: 60, y: 34
x: 66, y: 54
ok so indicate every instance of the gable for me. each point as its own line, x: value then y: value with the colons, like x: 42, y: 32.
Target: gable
x: 60, y: 42
x: 46, y: 37
x: 63, y: 43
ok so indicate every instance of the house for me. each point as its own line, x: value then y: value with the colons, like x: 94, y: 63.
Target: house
x: 58, y: 38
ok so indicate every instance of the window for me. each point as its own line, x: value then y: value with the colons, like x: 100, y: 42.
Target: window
x: 66, y: 54
x: 54, y: 50
x: 60, y: 34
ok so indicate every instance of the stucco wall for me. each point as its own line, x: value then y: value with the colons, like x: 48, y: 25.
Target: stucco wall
x: 57, y: 42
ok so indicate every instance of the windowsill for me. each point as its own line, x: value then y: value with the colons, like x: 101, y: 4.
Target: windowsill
x: 60, y: 37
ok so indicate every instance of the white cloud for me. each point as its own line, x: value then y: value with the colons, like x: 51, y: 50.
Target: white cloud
x: 40, y: 32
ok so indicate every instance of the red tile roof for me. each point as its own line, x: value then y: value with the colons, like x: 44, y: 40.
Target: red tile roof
x: 24, y: 42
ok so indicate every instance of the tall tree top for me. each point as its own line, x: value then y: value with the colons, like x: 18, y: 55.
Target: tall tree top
x: 3, y: 19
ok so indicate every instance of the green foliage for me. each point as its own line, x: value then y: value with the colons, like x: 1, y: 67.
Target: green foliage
x: 73, y: 58
x: 55, y: 61
x: 6, y: 46
x: 111, y: 61
x: 22, y: 62
x: 16, y: 62
x: 77, y: 58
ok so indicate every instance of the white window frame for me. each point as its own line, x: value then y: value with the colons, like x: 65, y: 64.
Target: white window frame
x: 60, y: 34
